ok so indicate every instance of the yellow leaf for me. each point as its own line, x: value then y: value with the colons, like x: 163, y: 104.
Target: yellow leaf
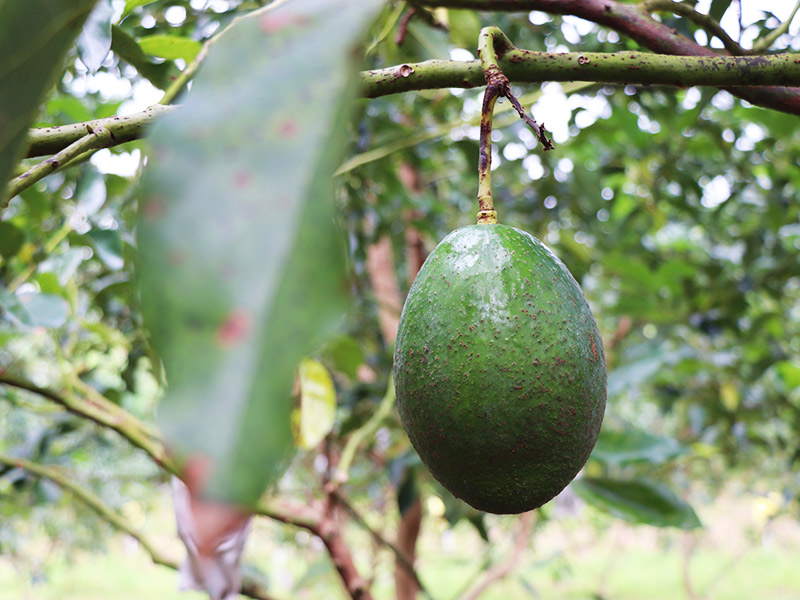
x: 317, y: 412
x: 729, y: 395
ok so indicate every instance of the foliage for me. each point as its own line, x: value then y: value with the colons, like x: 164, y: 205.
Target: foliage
x: 674, y: 208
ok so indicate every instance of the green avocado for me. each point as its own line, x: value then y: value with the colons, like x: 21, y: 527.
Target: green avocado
x: 499, y: 369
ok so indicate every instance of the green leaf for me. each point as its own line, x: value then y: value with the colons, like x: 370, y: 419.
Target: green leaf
x: 35, y: 310
x: 718, y: 8
x: 637, y: 501
x: 170, y: 47
x: 11, y: 239
x: 108, y: 246
x: 789, y: 372
x: 94, y: 42
x: 617, y: 448
x: 464, y: 28
x: 125, y: 46
x: 242, y: 268
x: 131, y: 5
x: 344, y: 355
x: 317, y: 413
x: 34, y: 36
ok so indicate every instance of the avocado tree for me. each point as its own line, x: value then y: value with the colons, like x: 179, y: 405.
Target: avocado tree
x: 215, y: 209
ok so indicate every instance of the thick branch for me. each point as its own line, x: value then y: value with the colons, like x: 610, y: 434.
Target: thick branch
x: 631, y: 20
x: 49, y: 140
x: 637, y: 68
x: 521, y: 66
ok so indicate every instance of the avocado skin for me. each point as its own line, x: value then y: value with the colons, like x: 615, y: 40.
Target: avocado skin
x: 499, y: 369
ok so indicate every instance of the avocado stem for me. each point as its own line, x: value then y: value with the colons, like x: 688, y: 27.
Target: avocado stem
x: 492, y: 46
x: 491, y: 41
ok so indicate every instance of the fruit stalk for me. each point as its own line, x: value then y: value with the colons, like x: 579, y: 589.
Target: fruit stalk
x: 492, y: 46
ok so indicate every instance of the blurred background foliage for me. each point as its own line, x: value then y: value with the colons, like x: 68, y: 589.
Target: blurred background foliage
x: 676, y: 210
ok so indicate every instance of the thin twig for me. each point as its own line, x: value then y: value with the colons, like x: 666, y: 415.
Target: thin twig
x: 57, y: 237
x: 249, y: 588
x: 399, y: 554
x: 363, y: 432
x: 402, y: 27
x: 503, y: 570
x: 102, y: 137
x: 538, y: 130
x: 93, y: 501
x: 764, y: 43
x: 121, y: 421
x: 704, y: 21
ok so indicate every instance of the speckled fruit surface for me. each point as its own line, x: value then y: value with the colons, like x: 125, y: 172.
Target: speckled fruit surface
x: 499, y: 369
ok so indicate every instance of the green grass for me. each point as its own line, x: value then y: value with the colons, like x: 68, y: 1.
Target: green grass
x: 567, y: 560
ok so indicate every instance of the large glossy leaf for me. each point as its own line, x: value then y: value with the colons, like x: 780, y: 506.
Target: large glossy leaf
x: 616, y: 448
x: 637, y: 501
x: 34, y: 35
x: 242, y: 268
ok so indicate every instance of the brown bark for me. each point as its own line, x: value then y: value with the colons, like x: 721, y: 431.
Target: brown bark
x: 407, y: 534
x: 380, y: 266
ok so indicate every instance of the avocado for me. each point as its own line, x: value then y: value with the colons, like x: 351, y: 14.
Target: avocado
x: 499, y: 369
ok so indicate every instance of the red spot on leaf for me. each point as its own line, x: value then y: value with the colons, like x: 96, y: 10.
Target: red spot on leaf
x: 235, y: 329
x: 176, y: 258
x: 275, y: 22
x: 153, y: 208
x: 242, y: 179
x: 287, y: 128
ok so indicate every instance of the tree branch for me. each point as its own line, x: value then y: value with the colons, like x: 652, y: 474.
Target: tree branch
x: 763, y: 44
x: 503, y: 570
x: 636, y: 68
x: 49, y: 140
x: 707, y: 23
x: 631, y: 20
x: 249, y: 588
x: 400, y: 556
x: 363, y: 432
x: 329, y: 530
x: 93, y: 138
x: 523, y: 66
x: 99, y: 412
x: 92, y: 500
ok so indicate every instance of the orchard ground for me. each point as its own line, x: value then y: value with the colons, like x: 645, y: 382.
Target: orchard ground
x: 743, y: 552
